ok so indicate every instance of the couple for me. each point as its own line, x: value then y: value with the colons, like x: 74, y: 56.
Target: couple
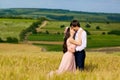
x: 73, y: 48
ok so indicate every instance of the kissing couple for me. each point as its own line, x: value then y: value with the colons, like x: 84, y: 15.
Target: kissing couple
x: 75, y: 42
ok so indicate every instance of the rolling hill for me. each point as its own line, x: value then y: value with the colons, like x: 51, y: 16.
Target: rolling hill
x: 59, y: 14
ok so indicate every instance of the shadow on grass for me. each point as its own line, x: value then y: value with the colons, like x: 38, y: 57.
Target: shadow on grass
x: 91, y: 67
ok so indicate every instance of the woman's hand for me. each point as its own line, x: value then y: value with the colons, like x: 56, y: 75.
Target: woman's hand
x: 72, y: 32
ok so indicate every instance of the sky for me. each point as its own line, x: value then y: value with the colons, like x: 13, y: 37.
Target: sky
x: 104, y: 6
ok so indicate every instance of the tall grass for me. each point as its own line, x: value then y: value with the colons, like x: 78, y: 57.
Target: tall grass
x: 25, y: 62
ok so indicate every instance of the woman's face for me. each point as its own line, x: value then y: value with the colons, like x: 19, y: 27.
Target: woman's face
x: 74, y: 28
x: 72, y: 31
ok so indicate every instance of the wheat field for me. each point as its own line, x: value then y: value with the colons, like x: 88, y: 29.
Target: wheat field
x: 28, y: 62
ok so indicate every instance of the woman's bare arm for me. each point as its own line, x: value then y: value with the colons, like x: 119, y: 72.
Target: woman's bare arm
x: 77, y: 42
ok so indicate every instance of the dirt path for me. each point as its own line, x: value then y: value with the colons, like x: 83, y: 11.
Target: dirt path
x: 105, y: 49
x: 42, y: 25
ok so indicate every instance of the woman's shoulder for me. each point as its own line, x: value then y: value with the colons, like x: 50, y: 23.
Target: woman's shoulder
x: 68, y: 40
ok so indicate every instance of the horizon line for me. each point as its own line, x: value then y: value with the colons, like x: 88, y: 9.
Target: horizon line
x: 61, y: 9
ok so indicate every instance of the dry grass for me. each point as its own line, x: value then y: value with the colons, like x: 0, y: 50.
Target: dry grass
x: 19, y: 48
x: 27, y: 62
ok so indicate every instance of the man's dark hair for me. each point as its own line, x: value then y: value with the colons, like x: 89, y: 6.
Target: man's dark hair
x: 75, y: 23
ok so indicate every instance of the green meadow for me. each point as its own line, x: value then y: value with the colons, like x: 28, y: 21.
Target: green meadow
x: 53, y: 32
x: 54, y: 26
x: 96, y: 40
x: 13, y: 27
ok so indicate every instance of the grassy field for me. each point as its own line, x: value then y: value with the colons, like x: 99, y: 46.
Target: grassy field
x: 95, y: 40
x: 46, y: 37
x: 54, y: 26
x: 31, y: 62
x: 27, y: 62
x: 13, y: 27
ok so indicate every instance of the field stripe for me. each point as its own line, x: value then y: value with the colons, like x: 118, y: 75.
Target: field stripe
x: 45, y: 42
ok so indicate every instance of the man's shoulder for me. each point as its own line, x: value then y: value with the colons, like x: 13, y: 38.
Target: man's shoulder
x: 82, y: 30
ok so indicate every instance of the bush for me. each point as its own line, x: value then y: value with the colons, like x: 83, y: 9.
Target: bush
x: 47, y: 32
x: 97, y: 27
x: 62, y: 26
x: 12, y: 40
x: 1, y: 40
x: 107, y: 22
x: 116, y: 32
x: 87, y: 26
x: 31, y: 29
x: 58, y: 33
x: 103, y: 33
x: 88, y: 33
x: 43, y: 19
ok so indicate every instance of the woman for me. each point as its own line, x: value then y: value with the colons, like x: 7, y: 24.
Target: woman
x: 68, y: 59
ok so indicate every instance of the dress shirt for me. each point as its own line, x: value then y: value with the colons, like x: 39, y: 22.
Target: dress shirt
x: 84, y: 39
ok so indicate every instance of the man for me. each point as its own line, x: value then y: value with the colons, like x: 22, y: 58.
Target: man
x: 80, y: 41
